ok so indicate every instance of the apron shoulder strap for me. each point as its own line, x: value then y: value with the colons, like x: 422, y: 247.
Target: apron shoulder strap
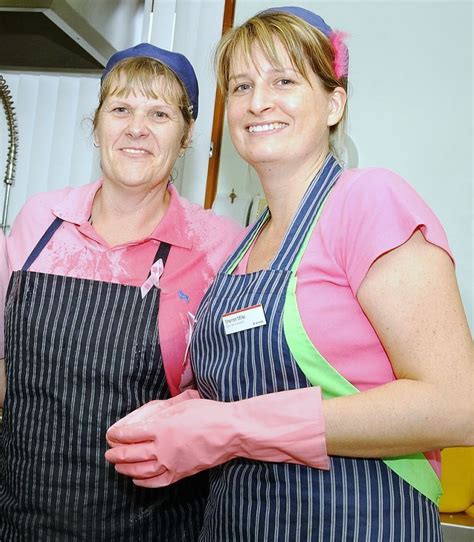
x: 162, y: 252
x: 42, y: 243
x: 310, y: 205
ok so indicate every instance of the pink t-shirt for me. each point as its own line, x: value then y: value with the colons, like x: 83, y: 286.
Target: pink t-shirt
x: 368, y: 213
x: 199, y: 240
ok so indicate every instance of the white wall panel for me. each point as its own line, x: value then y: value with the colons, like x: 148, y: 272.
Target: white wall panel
x: 42, y: 133
x: 64, y: 122
x: 55, y: 142
x: 197, y: 30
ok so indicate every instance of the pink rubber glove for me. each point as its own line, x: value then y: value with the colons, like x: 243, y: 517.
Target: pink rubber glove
x: 157, y: 447
x: 158, y: 406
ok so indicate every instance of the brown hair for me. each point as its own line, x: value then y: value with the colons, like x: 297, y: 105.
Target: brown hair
x: 149, y: 76
x: 304, y: 44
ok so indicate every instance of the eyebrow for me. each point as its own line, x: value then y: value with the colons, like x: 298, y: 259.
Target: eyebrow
x: 272, y: 71
x: 124, y: 100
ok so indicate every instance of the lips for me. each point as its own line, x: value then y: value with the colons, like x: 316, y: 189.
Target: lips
x: 266, y: 128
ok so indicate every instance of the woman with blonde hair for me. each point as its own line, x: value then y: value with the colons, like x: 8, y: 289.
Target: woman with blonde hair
x: 332, y: 355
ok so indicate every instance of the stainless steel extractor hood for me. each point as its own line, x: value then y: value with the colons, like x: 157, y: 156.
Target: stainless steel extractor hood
x: 50, y: 35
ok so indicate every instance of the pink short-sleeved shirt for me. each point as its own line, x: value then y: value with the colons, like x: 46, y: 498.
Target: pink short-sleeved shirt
x: 368, y: 213
x: 199, y: 241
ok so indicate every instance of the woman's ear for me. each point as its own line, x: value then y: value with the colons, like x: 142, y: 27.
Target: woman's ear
x: 337, y: 104
x: 187, y: 137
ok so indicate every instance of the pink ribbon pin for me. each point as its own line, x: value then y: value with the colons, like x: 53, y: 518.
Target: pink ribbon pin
x: 154, y: 278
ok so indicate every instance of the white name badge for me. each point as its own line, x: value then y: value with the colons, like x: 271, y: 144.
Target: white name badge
x: 243, y: 319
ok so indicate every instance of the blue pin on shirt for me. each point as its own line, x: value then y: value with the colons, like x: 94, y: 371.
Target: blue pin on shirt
x: 183, y: 296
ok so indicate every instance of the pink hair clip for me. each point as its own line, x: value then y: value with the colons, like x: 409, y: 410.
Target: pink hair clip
x: 341, y: 54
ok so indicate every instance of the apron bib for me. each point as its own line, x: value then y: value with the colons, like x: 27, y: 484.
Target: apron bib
x: 357, y: 499
x: 80, y: 355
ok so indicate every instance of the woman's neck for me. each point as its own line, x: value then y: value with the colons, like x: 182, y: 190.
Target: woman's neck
x: 126, y: 214
x: 284, y: 186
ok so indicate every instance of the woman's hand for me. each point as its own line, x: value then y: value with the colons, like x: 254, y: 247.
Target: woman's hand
x: 158, y: 445
x: 411, y: 298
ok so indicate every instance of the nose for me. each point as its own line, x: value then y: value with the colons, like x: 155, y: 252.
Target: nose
x: 261, y: 99
x: 137, y: 126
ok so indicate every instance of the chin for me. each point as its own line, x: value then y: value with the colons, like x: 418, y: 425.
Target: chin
x: 269, y: 153
x: 263, y: 158
x: 130, y: 182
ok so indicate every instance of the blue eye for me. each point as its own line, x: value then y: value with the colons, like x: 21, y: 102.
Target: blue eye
x: 285, y: 82
x: 160, y: 114
x: 242, y: 87
x: 120, y: 110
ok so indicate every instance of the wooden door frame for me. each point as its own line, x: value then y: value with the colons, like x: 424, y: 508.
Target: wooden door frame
x: 218, y: 121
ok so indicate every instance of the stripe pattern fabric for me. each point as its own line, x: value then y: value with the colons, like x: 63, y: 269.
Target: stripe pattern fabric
x: 357, y: 499
x: 80, y: 355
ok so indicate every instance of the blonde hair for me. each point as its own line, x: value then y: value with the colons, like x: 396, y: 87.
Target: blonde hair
x: 150, y: 77
x: 304, y: 44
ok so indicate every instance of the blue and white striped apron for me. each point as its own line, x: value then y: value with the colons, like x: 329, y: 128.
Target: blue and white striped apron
x: 250, y: 501
x: 80, y: 355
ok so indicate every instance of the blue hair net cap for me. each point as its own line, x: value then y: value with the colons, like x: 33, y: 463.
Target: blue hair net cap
x: 308, y: 16
x: 177, y: 62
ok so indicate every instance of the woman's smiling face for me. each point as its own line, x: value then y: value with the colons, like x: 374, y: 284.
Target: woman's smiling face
x: 140, y: 138
x: 274, y: 114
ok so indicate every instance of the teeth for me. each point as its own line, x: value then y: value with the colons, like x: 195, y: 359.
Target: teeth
x: 267, y: 127
x: 135, y: 151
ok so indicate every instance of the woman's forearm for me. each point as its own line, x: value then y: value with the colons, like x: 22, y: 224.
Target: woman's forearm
x: 401, y: 417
